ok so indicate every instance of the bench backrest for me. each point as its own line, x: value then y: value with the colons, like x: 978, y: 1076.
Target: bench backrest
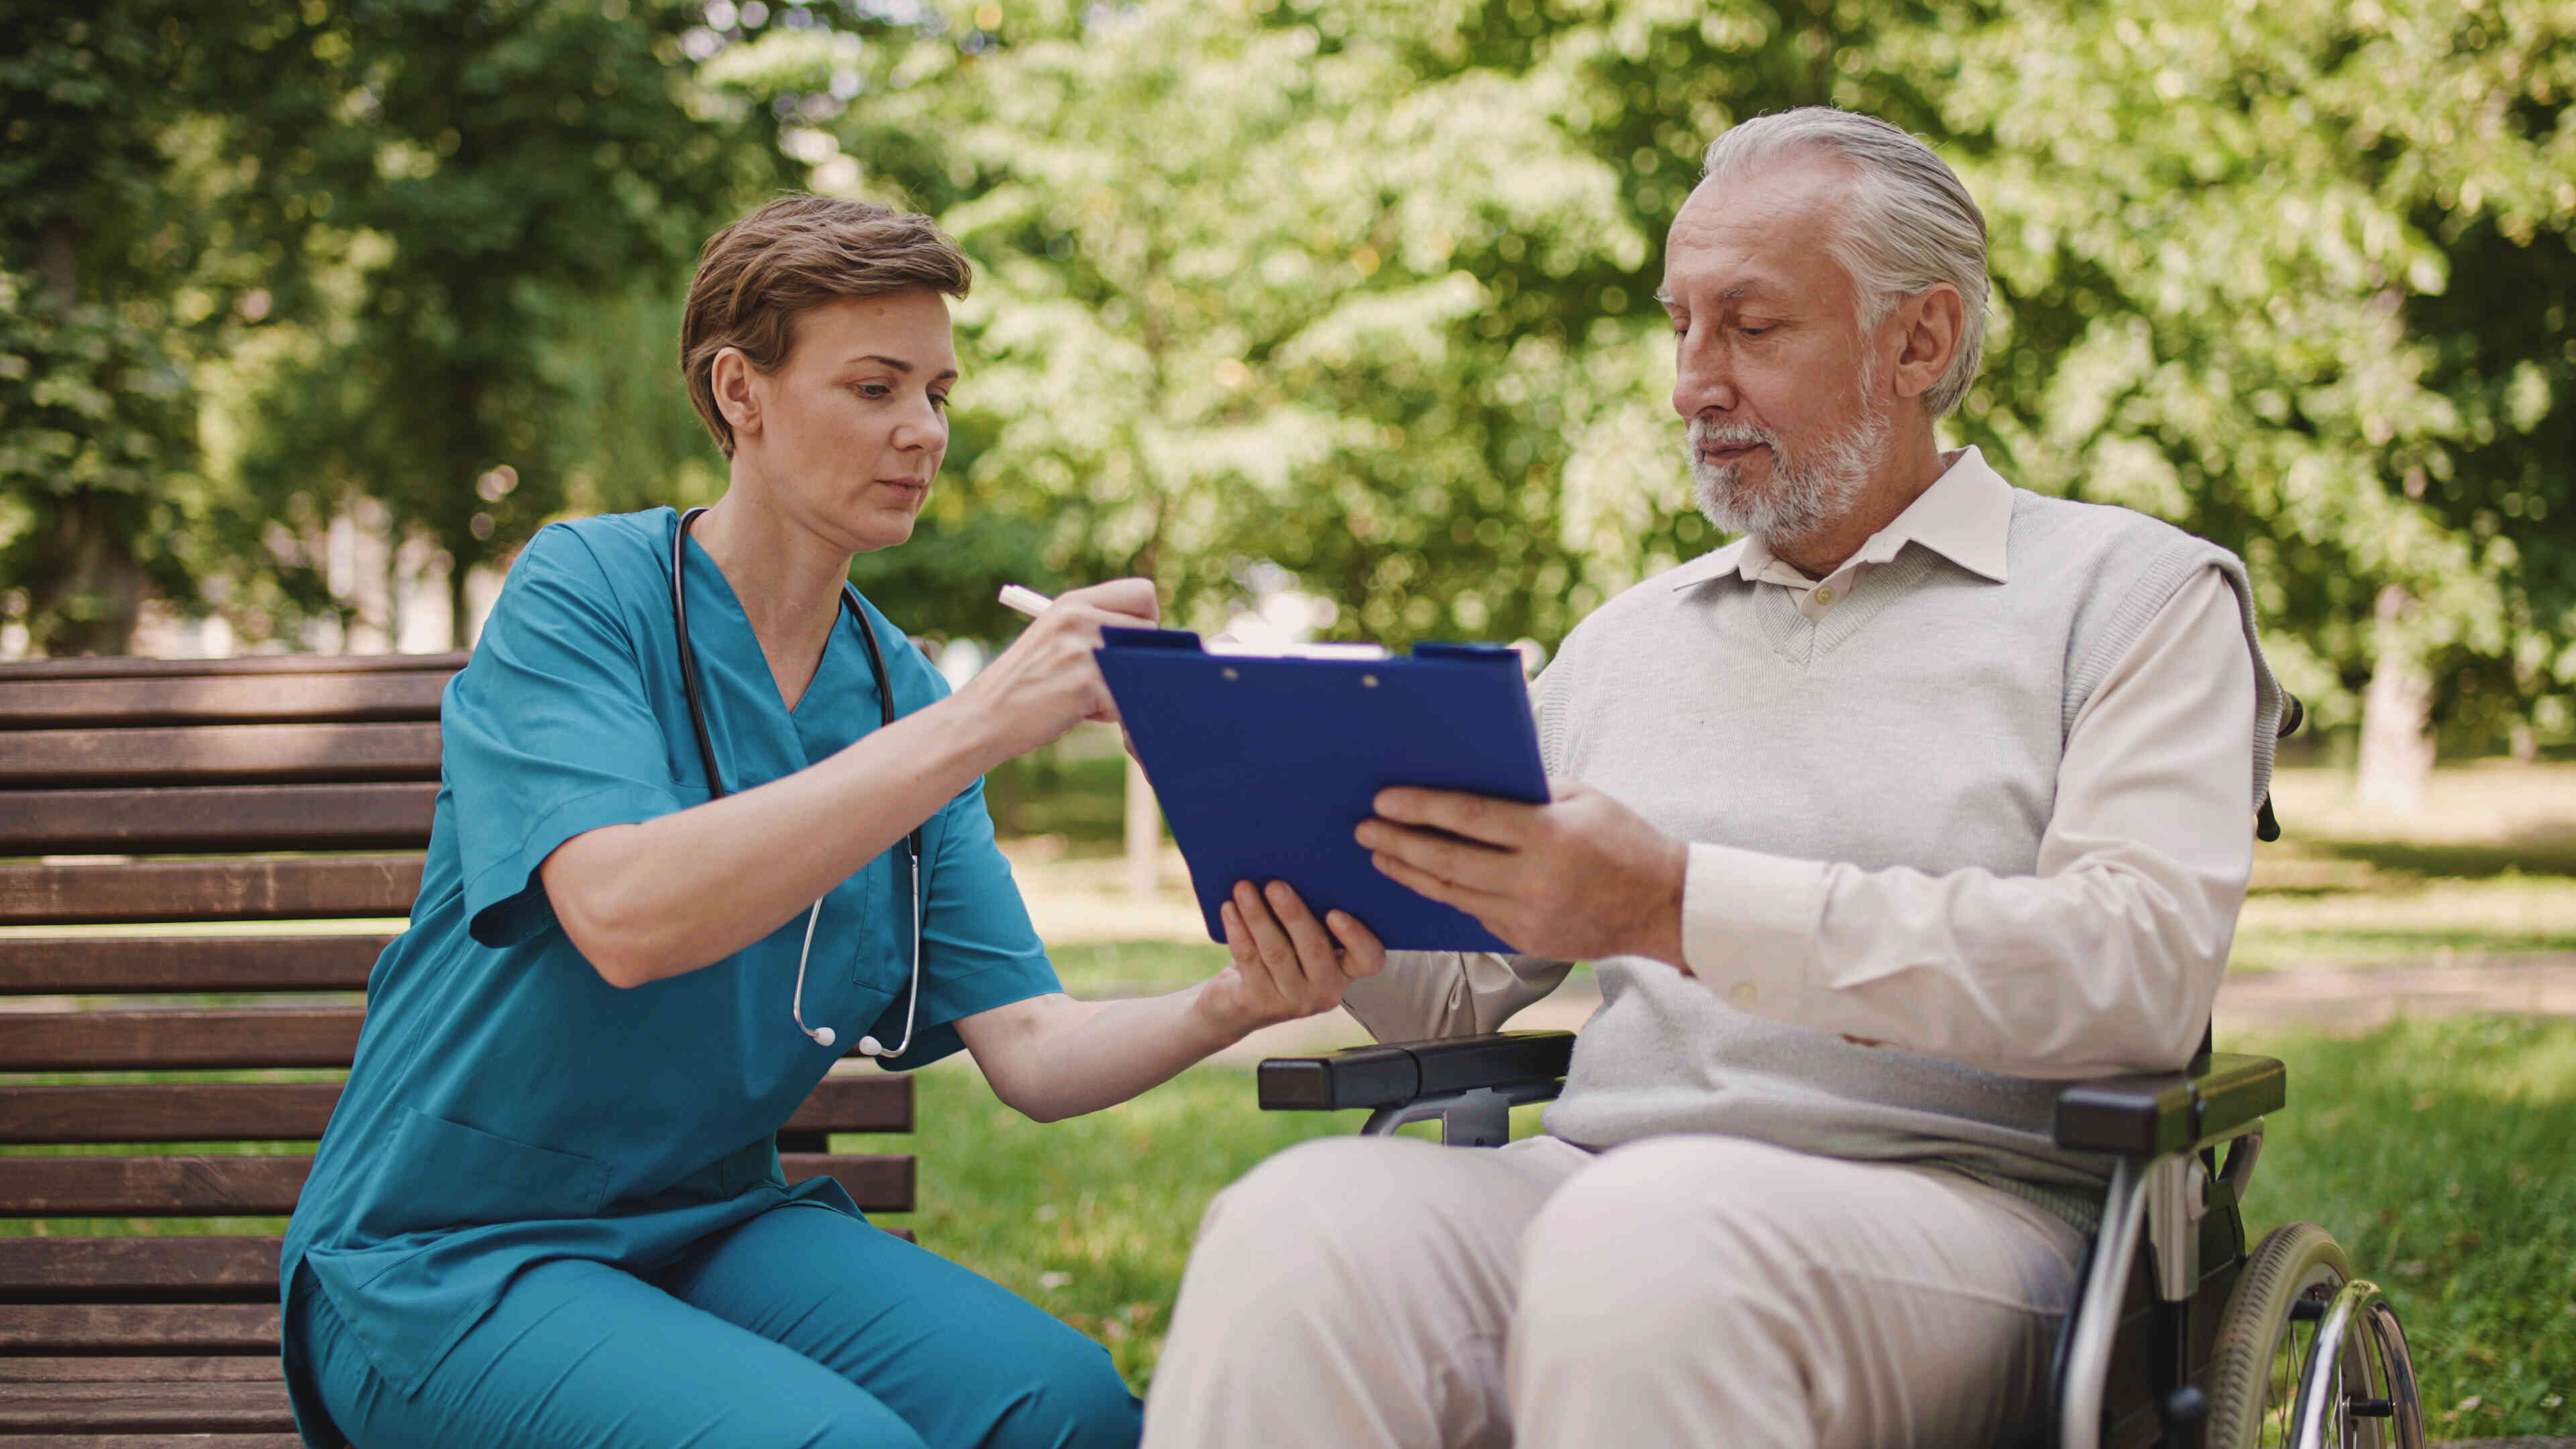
x: 167, y: 1056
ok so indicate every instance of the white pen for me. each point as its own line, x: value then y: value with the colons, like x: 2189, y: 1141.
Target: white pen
x: 1028, y: 601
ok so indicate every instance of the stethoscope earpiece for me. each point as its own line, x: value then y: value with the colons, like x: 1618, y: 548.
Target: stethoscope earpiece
x: 823, y: 1036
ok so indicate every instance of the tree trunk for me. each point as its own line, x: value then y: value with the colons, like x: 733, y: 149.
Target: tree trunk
x: 1144, y: 834
x: 2396, y: 715
x: 86, y: 590
x: 58, y: 259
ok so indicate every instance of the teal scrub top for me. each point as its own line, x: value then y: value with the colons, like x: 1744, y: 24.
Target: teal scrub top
x: 507, y: 1105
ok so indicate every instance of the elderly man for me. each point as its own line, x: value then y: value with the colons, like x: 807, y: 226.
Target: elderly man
x: 1923, y: 793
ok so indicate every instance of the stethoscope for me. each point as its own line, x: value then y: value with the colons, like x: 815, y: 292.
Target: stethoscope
x: 822, y: 1035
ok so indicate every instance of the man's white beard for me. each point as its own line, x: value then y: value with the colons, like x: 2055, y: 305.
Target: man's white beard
x: 1806, y: 491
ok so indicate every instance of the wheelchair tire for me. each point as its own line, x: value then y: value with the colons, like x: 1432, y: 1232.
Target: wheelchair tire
x: 2267, y: 1335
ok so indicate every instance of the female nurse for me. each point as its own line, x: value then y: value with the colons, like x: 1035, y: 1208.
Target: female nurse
x: 548, y: 1211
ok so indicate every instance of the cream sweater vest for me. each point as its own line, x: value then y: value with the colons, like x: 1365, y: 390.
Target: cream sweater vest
x: 1920, y: 723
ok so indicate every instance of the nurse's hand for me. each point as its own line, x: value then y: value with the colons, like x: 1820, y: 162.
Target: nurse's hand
x: 1287, y: 964
x: 1047, y: 681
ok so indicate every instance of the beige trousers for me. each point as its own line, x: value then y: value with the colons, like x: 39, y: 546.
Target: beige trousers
x: 1690, y: 1290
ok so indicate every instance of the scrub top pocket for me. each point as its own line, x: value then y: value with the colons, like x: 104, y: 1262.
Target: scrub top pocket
x: 441, y: 1174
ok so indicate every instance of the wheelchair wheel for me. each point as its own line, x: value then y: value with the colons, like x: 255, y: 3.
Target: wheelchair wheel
x: 2308, y: 1357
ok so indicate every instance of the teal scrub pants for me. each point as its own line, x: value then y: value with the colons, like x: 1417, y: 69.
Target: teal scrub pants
x: 800, y: 1327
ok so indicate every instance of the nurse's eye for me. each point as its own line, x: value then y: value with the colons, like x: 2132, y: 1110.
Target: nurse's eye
x: 939, y: 400
x: 874, y: 391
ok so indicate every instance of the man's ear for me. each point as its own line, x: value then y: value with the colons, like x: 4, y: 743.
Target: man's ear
x: 1927, y: 326
x: 735, y: 384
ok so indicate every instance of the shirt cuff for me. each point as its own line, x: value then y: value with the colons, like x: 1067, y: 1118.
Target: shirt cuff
x: 1749, y: 925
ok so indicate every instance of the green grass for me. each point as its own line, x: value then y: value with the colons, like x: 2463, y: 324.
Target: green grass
x: 2435, y: 1151
x: 2327, y: 895
x: 1134, y: 968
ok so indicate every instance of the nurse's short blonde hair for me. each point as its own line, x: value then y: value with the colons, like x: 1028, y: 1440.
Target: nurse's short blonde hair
x: 758, y: 275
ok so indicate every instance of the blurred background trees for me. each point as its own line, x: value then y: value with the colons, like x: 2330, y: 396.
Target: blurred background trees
x: 310, y: 308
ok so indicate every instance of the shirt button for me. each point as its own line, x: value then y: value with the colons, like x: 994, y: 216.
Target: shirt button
x: 1825, y: 594
x: 1742, y: 993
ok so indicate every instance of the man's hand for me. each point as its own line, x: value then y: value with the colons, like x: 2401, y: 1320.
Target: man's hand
x: 1577, y: 878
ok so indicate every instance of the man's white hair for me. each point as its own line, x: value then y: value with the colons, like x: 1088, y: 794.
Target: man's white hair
x: 1907, y: 222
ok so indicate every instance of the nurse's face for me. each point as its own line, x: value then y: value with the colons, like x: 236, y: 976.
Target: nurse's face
x: 847, y: 435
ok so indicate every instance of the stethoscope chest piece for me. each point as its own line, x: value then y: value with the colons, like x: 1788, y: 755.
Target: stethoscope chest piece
x: 690, y: 687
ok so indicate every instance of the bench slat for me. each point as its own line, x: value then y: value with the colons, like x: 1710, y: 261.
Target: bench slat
x: 84, y: 965
x: 259, y: 1186
x: 54, y: 1328
x: 230, y: 818
x: 298, y: 1111
x: 145, y: 1408
x: 177, y: 1186
x: 228, y: 890
x: 175, y: 1267
x: 249, y: 699
x: 177, y: 1039
x: 129, y: 666
x: 156, y: 1441
x: 167, y: 1112
x: 231, y: 1368
x: 877, y: 1182
x: 218, y: 754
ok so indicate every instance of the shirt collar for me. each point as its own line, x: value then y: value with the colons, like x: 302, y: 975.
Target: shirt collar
x: 1965, y: 516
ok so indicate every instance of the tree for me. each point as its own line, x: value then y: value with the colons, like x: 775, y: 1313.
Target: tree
x: 2229, y: 229
x: 1259, y: 285
x: 133, y: 207
x: 521, y: 170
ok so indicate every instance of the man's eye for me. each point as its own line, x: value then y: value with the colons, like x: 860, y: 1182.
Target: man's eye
x: 873, y: 389
x: 1753, y: 331
x: 939, y: 400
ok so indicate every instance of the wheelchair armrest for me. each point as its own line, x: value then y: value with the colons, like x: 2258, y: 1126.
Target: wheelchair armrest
x: 1396, y: 1073
x: 2152, y: 1114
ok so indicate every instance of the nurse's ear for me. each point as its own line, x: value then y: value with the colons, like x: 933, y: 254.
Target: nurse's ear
x: 733, y: 381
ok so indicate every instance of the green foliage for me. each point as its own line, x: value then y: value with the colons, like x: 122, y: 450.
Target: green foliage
x: 1357, y: 287
x: 96, y: 447
x: 125, y: 212
x: 2231, y: 243
x: 518, y: 170
x: 1257, y: 289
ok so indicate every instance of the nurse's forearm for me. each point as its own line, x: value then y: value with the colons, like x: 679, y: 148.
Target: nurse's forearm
x: 1052, y: 1057
x: 667, y: 896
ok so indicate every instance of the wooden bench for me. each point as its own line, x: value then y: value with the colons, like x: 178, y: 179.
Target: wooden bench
x: 151, y: 814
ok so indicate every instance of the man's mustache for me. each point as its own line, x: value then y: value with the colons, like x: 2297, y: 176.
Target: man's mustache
x: 1704, y: 436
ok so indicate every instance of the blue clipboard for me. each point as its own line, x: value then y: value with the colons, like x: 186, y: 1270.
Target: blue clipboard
x: 1264, y: 766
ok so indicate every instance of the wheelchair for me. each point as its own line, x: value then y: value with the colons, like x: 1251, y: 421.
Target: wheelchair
x: 2180, y: 1336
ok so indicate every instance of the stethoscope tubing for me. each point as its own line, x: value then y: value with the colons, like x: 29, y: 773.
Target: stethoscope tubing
x: 692, y: 691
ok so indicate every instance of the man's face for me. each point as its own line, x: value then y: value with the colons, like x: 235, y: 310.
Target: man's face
x: 1771, y: 369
